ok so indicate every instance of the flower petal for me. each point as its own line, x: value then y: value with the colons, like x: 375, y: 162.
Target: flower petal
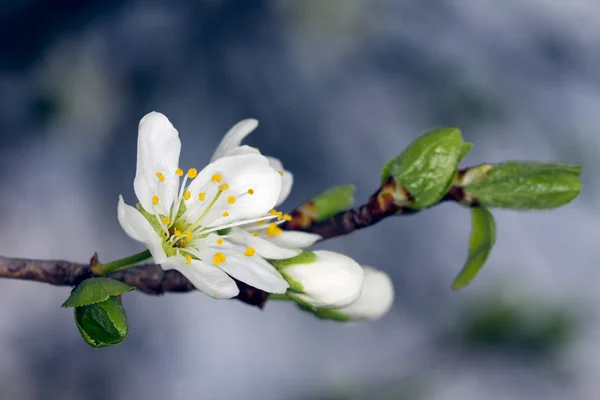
x: 233, y: 138
x: 138, y: 228
x: 295, y: 239
x: 263, y: 247
x: 376, y: 297
x: 254, y: 271
x: 287, y: 179
x: 241, y: 173
x: 158, y: 151
x: 236, y: 151
x: 207, y: 278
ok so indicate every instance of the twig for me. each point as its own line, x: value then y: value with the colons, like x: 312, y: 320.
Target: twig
x: 151, y: 279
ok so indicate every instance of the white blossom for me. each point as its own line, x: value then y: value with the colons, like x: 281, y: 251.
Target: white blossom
x: 193, y: 228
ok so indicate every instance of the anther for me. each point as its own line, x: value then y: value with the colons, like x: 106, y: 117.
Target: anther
x: 188, y: 260
x: 249, y: 252
x: 287, y: 217
x: 260, y: 223
x: 219, y: 258
x: 192, y: 173
x: 166, y: 220
x: 224, y: 187
x: 225, y: 214
x: 179, y: 172
x: 273, y: 212
x: 155, y: 200
x: 219, y: 242
x: 189, y: 235
x: 281, y: 173
x: 231, y: 199
x: 279, y: 215
x: 177, y: 233
x: 187, y: 195
x: 255, y: 234
x: 202, y: 196
x: 160, y: 176
x: 273, y: 230
x: 217, y: 177
x: 250, y: 192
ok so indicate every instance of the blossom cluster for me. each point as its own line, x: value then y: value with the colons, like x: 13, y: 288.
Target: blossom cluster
x: 221, y: 224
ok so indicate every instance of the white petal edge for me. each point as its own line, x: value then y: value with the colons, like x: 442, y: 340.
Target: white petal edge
x: 138, y: 228
x: 233, y: 138
x: 263, y: 247
x: 376, y: 298
x: 295, y: 239
x: 254, y: 271
x: 158, y: 151
x: 207, y: 278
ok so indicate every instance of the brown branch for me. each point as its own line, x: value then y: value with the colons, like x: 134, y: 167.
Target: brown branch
x: 151, y: 279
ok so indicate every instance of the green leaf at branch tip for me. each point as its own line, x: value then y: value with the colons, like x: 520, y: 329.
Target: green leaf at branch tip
x: 527, y: 185
x: 426, y: 168
x: 332, y: 201
x: 306, y: 257
x: 96, y: 290
x: 102, y: 324
x: 465, y: 149
x: 483, y: 237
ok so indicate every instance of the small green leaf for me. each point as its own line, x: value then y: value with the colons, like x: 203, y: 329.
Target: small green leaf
x: 483, y: 237
x: 306, y: 257
x: 526, y: 186
x: 428, y: 165
x: 465, y: 149
x: 96, y: 290
x: 102, y: 324
x: 332, y: 201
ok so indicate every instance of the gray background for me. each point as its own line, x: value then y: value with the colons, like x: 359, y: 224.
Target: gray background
x: 338, y: 87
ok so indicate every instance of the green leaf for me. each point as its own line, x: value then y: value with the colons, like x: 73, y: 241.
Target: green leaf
x: 465, y: 149
x: 427, y: 166
x: 483, y: 237
x: 102, y: 324
x: 526, y: 185
x: 332, y: 201
x: 306, y: 257
x: 96, y: 290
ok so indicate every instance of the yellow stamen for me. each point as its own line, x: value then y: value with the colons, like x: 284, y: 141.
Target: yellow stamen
x: 250, y: 192
x: 287, y: 217
x: 179, y: 172
x: 255, y: 234
x: 160, y: 176
x: 169, y: 255
x: 219, y: 242
x: 177, y: 233
x: 219, y: 258
x: 166, y: 220
x: 187, y: 195
x: 224, y: 187
x: 217, y: 177
x: 281, y: 173
x: 231, y: 199
x: 202, y: 196
x: 188, y: 260
x: 192, y: 173
x: 260, y: 223
x: 189, y: 235
x: 279, y: 215
x: 273, y: 230
x: 155, y: 200
x: 273, y: 212
x: 249, y: 252
x: 225, y: 214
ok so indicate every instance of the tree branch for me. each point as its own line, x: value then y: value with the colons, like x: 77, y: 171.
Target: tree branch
x: 151, y: 279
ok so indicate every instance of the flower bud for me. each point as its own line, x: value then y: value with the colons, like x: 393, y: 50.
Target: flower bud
x: 327, y: 280
x: 374, y: 302
x: 102, y: 324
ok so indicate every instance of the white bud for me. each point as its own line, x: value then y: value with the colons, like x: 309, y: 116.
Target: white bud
x: 331, y: 281
x: 375, y: 299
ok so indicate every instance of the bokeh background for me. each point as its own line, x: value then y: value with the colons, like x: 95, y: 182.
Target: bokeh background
x: 339, y: 86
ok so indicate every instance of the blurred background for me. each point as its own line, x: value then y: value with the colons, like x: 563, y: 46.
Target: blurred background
x: 339, y: 87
